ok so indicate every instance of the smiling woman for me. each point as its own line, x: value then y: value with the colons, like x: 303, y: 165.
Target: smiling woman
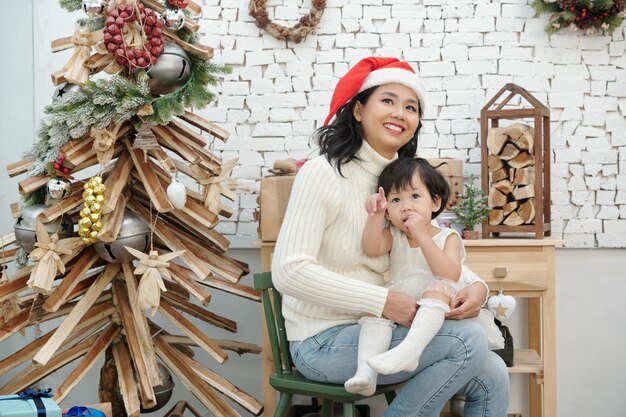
x: 329, y: 283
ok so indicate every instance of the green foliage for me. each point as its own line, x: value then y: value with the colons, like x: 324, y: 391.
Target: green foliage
x: 70, y: 5
x: 599, y: 16
x: 472, y: 208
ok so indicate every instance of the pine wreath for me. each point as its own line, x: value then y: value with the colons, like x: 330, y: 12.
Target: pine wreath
x: 297, y: 33
x: 599, y: 16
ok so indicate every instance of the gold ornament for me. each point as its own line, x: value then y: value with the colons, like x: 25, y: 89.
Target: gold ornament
x: 91, y: 214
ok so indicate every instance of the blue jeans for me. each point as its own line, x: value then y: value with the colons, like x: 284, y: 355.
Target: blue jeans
x: 456, y: 360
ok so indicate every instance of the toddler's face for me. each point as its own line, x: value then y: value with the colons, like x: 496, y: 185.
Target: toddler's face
x: 413, y: 199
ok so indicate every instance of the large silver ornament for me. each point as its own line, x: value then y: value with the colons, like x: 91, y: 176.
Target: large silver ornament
x: 134, y: 233
x: 173, y: 19
x: 63, y: 89
x: 27, y: 220
x: 171, y: 71
x: 94, y: 8
x: 162, y: 392
x: 59, y: 188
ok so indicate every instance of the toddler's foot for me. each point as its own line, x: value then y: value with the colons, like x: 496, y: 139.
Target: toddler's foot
x: 360, y: 384
x: 396, y: 360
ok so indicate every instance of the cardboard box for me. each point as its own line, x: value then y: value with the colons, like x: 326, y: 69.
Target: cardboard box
x: 14, y: 406
x: 452, y: 170
x: 275, y: 191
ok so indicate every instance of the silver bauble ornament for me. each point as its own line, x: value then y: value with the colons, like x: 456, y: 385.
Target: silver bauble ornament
x: 177, y: 193
x: 171, y: 71
x: 134, y: 233
x: 162, y: 392
x: 63, y: 89
x: 59, y: 188
x: 173, y: 19
x: 27, y: 220
x: 94, y: 8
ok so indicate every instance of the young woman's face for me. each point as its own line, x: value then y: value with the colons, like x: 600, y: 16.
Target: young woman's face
x: 389, y: 118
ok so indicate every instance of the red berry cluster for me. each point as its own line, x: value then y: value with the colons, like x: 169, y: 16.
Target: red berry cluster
x: 179, y: 3
x: 58, y: 165
x: 152, y: 27
x: 586, y: 17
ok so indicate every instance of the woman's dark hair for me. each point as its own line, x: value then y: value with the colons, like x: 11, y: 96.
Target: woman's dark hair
x: 340, y: 140
x: 399, y: 175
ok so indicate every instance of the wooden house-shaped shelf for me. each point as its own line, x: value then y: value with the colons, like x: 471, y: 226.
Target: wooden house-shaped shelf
x: 515, y: 162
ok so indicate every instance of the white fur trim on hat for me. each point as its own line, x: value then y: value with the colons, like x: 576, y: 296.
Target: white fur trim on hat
x: 396, y: 75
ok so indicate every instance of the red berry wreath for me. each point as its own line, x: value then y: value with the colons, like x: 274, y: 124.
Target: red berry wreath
x: 179, y: 3
x: 151, y: 25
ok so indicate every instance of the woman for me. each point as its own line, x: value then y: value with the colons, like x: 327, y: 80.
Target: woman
x: 327, y: 281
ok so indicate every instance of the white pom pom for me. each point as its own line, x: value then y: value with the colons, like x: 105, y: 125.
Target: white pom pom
x: 177, y: 193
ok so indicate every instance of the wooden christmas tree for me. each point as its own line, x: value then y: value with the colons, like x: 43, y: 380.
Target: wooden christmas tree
x: 110, y: 249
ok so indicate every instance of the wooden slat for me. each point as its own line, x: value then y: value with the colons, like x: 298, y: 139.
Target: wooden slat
x: 126, y: 379
x: 103, y: 341
x: 182, y: 135
x: 183, y: 276
x: 206, y: 126
x: 148, y: 398
x: 199, y: 388
x: 163, y: 159
x: 60, y: 207
x: 61, y: 44
x: 112, y: 221
x: 18, y: 168
x: 200, y: 313
x: 33, y: 373
x: 28, y: 351
x: 232, y: 288
x: 192, y: 331
x: 141, y: 326
x: 76, y: 314
x: 196, y: 49
x: 224, y: 386
x: 31, y: 184
x: 59, y: 295
x: 235, y: 346
x: 116, y: 182
x: 150, y: 181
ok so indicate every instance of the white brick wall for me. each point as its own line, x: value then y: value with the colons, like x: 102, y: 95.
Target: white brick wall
x: 465, y: 52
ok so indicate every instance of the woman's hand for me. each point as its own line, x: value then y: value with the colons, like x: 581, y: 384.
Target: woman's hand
x: 400, y: 308
x: 467, y: 302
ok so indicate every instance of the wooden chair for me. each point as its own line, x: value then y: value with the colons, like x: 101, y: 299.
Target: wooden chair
x: 287, y: 380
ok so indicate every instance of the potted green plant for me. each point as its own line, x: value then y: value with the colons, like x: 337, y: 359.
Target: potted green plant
x: 472, y: 208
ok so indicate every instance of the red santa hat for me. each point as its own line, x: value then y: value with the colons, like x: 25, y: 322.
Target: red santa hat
x: 372, y: 72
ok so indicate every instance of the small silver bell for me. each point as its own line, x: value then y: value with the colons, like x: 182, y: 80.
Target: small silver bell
x: 94, y: 8
x: 59, y: 188
x: 173, y: 19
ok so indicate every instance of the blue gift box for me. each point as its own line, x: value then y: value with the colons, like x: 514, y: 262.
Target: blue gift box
x: 30, y: 403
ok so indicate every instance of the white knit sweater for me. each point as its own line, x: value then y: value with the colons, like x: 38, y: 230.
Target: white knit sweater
x: 318, y: 265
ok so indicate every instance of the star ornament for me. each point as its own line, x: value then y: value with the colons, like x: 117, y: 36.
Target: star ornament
x: 502, y: 306
x: 152, y: 268
x: 47, y: 254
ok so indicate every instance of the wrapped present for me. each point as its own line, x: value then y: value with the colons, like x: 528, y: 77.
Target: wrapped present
x: 275, y: 191
x: 29, y: 403
x: 452, y: 170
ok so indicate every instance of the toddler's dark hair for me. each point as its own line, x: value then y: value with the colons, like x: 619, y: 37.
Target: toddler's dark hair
x: 399, y: 174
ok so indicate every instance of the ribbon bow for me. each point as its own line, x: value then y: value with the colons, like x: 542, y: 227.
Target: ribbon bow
x: 31, y: 394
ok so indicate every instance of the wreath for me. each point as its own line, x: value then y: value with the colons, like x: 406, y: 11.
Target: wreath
x: 140, y: 56
x: 297, y: 33
x: 591, y: 16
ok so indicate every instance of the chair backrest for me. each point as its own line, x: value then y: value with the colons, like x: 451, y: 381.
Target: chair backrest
x: 275, y: 322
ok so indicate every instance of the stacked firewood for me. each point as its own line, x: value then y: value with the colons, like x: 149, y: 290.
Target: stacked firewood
x: 511, y: 163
